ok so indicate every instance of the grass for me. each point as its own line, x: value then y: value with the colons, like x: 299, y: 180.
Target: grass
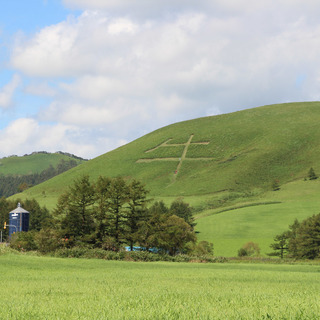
x: 34, y: 163
x: 250, y: 149
x: 230, y: 229
x: 52, y: 288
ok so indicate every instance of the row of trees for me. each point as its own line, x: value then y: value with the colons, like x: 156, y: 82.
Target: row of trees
x: 301, y: 241
x: 110, y: 213
x: 11, y: 184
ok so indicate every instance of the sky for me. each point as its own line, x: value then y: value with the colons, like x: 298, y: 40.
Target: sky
x: 87, y: 76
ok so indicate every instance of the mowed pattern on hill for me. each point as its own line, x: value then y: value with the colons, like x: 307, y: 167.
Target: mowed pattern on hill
x: 228, y: 160
x: 236, y: 152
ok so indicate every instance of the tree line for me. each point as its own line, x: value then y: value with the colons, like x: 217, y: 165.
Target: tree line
x: 112, y: 213
x: 11, y: 184
x: 300, y: 241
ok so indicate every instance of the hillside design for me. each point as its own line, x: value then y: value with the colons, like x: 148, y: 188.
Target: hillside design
x: 224, y: 167
x: 183, y: 157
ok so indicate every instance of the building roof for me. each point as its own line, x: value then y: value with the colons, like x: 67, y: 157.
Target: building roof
x: 19, y: 209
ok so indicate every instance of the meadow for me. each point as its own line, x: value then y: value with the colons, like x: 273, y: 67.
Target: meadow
x: 54, y: 288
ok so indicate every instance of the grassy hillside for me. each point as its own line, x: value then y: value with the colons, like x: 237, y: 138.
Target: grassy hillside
x: 221, y: 161
x: 33, y: 163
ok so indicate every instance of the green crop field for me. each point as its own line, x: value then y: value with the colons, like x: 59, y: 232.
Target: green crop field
x: 219, y: 163
x: 55, y: 288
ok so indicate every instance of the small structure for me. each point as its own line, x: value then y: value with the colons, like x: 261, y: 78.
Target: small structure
x: 18, y: 220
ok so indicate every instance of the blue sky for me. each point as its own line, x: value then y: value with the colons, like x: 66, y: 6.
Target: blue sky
x: 86, y: 76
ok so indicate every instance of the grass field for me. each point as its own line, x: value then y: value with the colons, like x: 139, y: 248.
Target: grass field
x: 52, y: 288
x: 229, y: 230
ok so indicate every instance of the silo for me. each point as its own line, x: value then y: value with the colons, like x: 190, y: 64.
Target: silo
x: 18, y: 220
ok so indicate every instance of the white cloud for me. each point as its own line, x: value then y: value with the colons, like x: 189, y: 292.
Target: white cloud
x: 40, y: 89
x: 134, y: 66
x: 25, y: 135
x: 7, y: 92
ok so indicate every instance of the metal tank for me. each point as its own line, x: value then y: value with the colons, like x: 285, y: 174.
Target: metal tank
x: 18, y: 220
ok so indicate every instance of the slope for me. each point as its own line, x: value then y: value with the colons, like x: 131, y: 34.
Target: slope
x: 216, y: 162
x: 32, y: 163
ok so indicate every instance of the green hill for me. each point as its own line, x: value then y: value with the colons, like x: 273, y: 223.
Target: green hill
x: 19, y: 173
x: 220, y: 162
x: 35, y: 162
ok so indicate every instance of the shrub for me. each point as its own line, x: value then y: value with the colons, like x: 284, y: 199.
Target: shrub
x: 49, y: 240
x: 23, y: 241
x: 249, y: 249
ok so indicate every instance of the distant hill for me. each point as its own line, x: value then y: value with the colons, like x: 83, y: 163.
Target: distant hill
x: 19, y: 173
x: 218, y: 163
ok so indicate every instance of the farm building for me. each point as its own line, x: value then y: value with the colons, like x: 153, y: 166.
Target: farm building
x: 18, y: 220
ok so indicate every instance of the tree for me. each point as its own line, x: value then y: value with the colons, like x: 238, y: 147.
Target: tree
x: 118, y: 197
x: 136, y: 212
x: 312, y: 175
x: 280, y: 245
x: 101, y: 211
x: 292, y: 236
x: 175, y: 234
x: 158, y: 207
x: 182, y: 210
x: 308, y: 238
x: 39, y: 217
x: 75, y: 208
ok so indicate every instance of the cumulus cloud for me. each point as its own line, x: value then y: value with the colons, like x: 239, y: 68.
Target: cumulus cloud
x: 25, y: 135
x: 124, y: 67
x: 7, y: 92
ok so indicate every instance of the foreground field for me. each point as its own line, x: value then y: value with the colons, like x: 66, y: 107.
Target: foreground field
x: 51, y: 288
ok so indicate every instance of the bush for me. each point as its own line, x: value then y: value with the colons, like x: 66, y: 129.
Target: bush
x: 49, y: 240
x: 23, y: 241
x: 249, y: 249
x: 203, y: 248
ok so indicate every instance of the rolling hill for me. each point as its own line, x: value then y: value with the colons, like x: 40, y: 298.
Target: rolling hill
x: 19, y: 173
x: 224, y: 167
x: 35, y: 162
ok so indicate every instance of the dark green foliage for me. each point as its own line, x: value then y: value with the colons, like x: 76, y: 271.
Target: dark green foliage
x: 23, y: 241
x: 280, y: 245
x: 49, y: 240
x: 112, y: 213
x: 102, y: 205
x: 312, y: 175
x: 80, y: 252
x: 118, y: 197
x: 39, y: 217
x: 203, y: 248
x: 158, y: 207
x: 182, y: 210
x: 302, y: 240
x: 11, y: 184
x: 137, y: 211
x: 249, y: 249
x: 75, y: 209
x: 242, y: 252
x: 307, y: 239
x: 174, y: 234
